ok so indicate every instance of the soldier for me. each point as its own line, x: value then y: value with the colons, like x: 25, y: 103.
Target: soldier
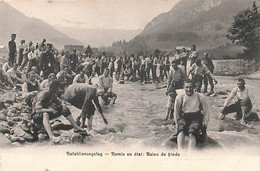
x: 242, y: 106
x: 12, y: 49
x: 83, y: 97
x: 209, y: 64
x: 191, y: 114
x: 106, y: 82
x: 192, y: 58
x: 73, y: 60
x: 20, y: 53
x: 47, y: 62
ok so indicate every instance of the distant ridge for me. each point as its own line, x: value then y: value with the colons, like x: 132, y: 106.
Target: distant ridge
x: 13, y: 21
x: 201, y: 22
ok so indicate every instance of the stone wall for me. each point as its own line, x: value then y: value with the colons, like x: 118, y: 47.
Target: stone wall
x: 234, y: 67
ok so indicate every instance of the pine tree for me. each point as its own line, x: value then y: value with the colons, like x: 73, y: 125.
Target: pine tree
x: 244, y: 31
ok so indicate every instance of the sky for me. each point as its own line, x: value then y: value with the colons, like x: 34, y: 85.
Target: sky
x: 95, y: 14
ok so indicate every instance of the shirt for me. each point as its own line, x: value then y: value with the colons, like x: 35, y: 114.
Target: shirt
x: 105, y: 82
x: 26, y: 90
x: 191, y: 104
x: 64, y: 62
x: 12, y: 46
x: 44, y: 100
x: 78, y: 79
x: 208, y: 62
x: 176, y: 75
x: 193, y: 56
x: 239, y: 94
x: 176, y: 57
x: 199, y: 70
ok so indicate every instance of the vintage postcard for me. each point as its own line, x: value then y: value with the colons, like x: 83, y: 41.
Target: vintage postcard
x: 129, y: 85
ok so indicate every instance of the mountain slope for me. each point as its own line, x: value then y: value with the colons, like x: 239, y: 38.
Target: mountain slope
x: 203, y: 22
x: 13, y: 21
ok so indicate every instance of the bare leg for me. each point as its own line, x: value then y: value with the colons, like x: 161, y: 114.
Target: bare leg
x: 192, y: 142
x: 180, y: 140
x: 83, y: 122
x: 167, y: 113
x: 78, y: 118
x: 47, y: 126
x: 244, y: 112
x: 73, y: 123
x: 90, y: 123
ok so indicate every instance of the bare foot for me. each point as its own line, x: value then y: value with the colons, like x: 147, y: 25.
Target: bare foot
x: 55, y: 139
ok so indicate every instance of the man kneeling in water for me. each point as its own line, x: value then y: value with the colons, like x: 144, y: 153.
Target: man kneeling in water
x: 82, y: 96
x: 242, y: 106
x: 190, y: 114
x: 47, y: 106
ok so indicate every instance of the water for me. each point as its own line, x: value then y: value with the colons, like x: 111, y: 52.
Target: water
x: 135, y: 125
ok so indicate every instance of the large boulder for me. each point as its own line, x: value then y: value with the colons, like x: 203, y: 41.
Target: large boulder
x: 19, y: 131
x: 2, y: 117
x: 2, y: 105
x: 18, y: 106
x: 9, y: 97
x: 4, y: 129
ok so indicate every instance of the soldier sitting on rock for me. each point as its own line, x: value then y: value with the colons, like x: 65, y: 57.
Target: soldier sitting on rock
x: 242, y: 106
x: 30, y: 88
x: 106, y: 82
x: 5, y: 78
x: 16, y: 75
x: 191, y: 114
x: 47, y: 106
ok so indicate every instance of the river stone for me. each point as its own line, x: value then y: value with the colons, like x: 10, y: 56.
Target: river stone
x: 2, y: 105
x: 42, y: 137
x: 4, y: 112
x: 4, y: 141
x: 4, y: 129
x: 17, y: 119
x: 11, y: 112
x: 20, y: 140
x: 76, y: 138
x: 19, y: 131
x: 2, y: 117
x: 18, y: 106
x: 10, y: 123
x: 25, y: 115
x: 28, y: 137
x: 9, y: 97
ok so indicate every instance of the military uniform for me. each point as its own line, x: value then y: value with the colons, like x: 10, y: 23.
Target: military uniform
x: 12, y: 50
x: 47, y: 62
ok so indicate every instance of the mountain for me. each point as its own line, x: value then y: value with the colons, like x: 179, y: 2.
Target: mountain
x: 98, y: 37
x: 201, y: 22
x: 13, y: 21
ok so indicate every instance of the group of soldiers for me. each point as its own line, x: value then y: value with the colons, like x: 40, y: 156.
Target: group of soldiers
x: 50, y: 80
x: 49, y: 83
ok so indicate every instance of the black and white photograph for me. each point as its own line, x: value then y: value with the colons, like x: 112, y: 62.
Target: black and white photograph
x: 134, y: 85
